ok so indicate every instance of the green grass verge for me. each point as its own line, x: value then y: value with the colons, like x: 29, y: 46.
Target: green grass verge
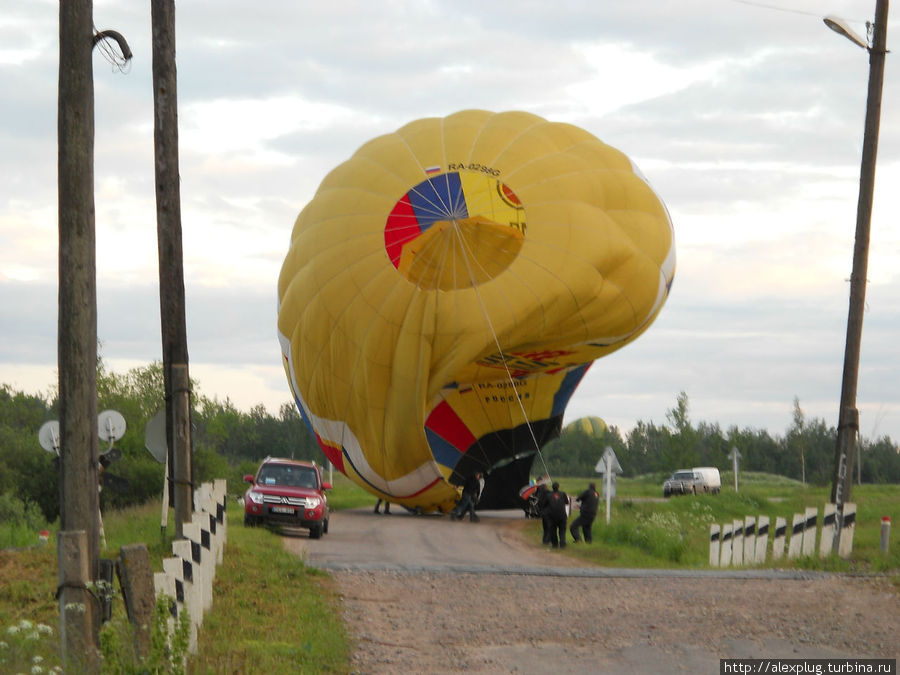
x: 270, y: 610
x: 646, y: 531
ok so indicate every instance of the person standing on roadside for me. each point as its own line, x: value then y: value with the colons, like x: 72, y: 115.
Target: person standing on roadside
x: 543, y: 494
x: 589, y: 500
x: 387, y: 506
x: 557, y: 501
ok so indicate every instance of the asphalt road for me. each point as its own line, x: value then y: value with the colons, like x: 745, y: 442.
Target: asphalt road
x: 359, y: 539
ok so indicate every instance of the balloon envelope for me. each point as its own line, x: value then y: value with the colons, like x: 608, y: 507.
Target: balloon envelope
x: 590, y: 426
x: 447, y: 288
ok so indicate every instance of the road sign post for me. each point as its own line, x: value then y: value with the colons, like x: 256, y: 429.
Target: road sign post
x: 734, y: 456
x: 608, y: 466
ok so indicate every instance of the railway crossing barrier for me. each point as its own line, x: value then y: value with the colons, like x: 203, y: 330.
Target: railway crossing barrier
x: 746, y: 542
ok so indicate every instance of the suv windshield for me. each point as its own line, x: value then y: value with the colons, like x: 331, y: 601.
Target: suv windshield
x: 683, y: 475
x: 293, y: 476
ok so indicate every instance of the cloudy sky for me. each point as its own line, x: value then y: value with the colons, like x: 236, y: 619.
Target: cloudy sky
x: 746, y: 117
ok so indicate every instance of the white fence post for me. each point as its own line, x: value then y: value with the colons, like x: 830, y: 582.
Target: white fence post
x: 848, y: 525
x: 778, y: 538
x: 737, y: 544
x: 210, y: 523
x: 715, y: 530
x: 749, y: 540
x: 826, y: 538
x: 164, y: 584
x: 727, y: 535
x: 809, y: 531
x: 201, y: 557
x: 762, y: 540
x: 186, y: 595
x: 220, y: 494
x: 795, y: 546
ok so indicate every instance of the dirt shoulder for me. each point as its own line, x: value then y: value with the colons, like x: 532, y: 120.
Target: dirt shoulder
x: 413, y: 605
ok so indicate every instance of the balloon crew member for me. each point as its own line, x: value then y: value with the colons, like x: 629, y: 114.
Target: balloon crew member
x: 589, y: 500
x: 387, y: 506
x: 470, y: 495
x: 557, y: 501
x: 543, y: 497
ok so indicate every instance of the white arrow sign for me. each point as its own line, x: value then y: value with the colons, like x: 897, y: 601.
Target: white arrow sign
x: 608, y: 459
x: 609, y: 466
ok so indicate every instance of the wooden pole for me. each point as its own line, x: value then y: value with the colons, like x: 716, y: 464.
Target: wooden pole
x: 848, y: 415
x: 171, y: 266
x: 79, y: 500
x: 77, y: 622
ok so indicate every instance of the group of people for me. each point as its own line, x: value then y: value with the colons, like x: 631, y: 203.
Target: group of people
x: 553, y: 505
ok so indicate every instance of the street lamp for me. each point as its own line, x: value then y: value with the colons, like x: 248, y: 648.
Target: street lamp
x: 848, y: 418
x: 838, y: 25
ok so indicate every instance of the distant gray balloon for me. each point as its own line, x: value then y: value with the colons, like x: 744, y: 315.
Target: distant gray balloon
x: 155, y: 436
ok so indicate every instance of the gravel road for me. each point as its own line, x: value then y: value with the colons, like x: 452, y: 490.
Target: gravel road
x: 429, y: 595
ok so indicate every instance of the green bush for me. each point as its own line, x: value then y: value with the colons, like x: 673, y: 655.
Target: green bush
x: 21, y: 521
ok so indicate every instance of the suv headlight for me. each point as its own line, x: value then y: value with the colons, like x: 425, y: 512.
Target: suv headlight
x: 255, y: 497
x: 313, y: 502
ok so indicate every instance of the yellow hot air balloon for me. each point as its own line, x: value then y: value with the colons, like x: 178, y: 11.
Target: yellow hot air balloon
x: 447, y: 288
x: 590, y: 426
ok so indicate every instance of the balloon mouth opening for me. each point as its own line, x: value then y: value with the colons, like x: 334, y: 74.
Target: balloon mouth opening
x: 455, y: 230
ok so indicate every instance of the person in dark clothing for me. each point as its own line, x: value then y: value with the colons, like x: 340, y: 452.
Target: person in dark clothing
x: 542, y: 495
x: 557, y: 501
x: 387, y: 506
x: 589, y: 499
x: 470, y: 495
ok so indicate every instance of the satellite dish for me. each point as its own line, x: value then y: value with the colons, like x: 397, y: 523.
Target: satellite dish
x: 112, y: 425
x: 48, y: 436
x: 155, y: 436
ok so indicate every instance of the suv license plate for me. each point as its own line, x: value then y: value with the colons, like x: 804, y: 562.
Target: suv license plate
x: 282, y: 509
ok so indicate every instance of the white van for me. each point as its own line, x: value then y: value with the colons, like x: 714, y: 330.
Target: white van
x: 707, y: 479
x: 701, y: 479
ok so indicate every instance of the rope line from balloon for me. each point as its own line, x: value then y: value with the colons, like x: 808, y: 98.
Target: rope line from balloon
x: 486, y: 314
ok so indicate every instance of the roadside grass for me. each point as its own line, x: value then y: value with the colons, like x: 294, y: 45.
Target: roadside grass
x: 646, y: 531
x: 270, y: 609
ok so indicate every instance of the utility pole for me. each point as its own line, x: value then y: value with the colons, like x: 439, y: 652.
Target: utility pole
x: 171, y: 264
x: 79, y: 497
x: 78, y: 544
x: 848, y: 417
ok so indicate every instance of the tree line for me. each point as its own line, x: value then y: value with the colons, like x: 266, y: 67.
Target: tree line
x: 227, y: 443
x: 230, y: 443
x: 805, y: 452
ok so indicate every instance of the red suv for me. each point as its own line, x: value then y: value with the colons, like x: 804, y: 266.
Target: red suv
x: 289, y: 493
